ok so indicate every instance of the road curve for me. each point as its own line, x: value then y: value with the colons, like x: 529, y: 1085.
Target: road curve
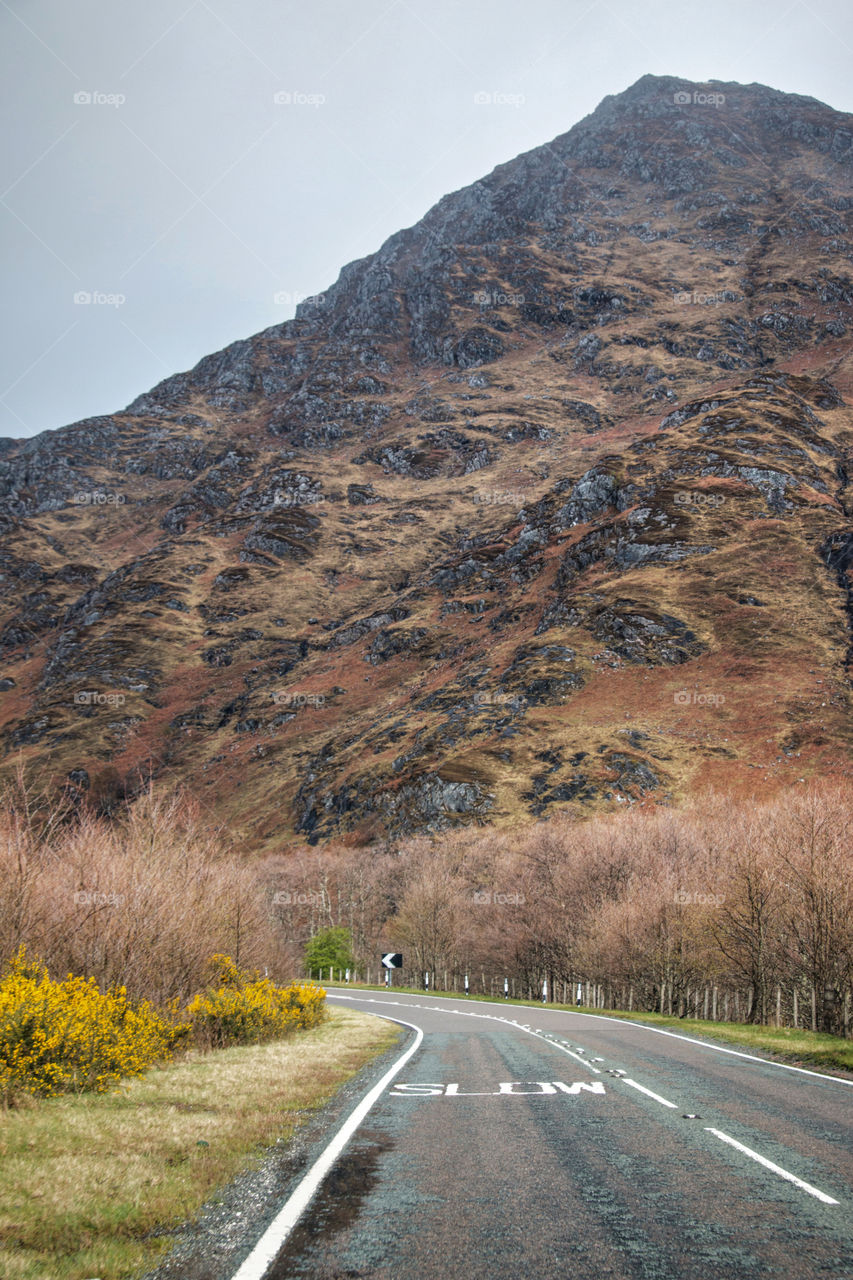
x: 535, y: 1143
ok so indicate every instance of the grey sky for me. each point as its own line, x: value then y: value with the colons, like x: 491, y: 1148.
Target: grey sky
x: 210, y: 208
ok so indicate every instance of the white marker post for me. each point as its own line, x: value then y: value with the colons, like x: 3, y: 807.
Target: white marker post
x: 544, y: 990
x: 426, y: 982
x: 466, y: 984
x: 506, y: 988
x: 392, y: 960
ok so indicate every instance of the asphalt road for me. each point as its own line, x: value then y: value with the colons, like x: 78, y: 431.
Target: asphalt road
x: 594, y: 1149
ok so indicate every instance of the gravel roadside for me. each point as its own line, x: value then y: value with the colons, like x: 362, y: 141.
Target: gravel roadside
x: 213, y: 1245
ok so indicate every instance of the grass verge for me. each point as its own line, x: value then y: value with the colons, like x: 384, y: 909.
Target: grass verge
x: 800, y: 1048
x: 91, y: 1185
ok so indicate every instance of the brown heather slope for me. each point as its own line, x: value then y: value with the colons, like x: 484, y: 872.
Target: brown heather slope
x: 545, y: 505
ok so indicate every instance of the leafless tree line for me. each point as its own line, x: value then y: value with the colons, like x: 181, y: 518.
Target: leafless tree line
x: 142, y: 900
x: 744, y: 910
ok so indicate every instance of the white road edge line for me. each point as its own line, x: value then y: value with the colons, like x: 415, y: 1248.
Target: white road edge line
x: 659, y: 1031
x: 724, y: 1137
x: 703, y: 1044
x: 256, y: 1265
x: 768, y: 1164
x: 648, y: 1092
x: 468, y: 1013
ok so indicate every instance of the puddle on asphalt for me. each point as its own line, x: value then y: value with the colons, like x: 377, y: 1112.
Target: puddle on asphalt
x: 335, y: 1206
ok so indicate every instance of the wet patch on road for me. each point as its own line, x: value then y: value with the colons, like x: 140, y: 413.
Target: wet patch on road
x: 213, y: 1245
x: 334, y: 1208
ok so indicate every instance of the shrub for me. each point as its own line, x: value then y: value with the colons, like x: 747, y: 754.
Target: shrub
x: 242, y: 1008
x: 329, y: 949
x: 140, y: 899
x: 69, y: 1037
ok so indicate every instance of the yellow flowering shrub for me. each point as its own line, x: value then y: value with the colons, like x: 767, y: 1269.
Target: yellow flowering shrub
x: 242, y: 1008
x: 67, y: 1037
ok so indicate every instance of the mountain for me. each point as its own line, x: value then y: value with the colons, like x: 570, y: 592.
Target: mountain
x: 543, y: 505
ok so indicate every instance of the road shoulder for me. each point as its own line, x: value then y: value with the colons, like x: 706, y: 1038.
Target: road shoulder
x: 213, y: 1244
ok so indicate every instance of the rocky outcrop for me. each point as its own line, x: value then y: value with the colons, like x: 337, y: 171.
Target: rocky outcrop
x: 543, y: 505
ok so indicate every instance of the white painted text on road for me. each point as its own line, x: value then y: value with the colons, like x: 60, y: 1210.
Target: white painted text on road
x: 506, y: 1088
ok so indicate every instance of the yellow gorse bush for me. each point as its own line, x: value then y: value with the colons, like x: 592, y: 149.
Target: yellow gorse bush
x: 70, y: 1037
x: 241, y: 1008
x: 67, y: 1037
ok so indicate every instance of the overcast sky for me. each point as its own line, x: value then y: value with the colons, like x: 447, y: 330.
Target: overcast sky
x: 195, y: 167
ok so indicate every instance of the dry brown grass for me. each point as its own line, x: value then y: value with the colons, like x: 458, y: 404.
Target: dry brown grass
x: 91, y: 1186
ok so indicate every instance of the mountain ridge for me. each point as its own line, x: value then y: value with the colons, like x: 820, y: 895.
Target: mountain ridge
x: 313, y: 573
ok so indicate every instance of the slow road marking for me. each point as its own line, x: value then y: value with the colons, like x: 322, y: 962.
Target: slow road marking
x: 506, y: 1089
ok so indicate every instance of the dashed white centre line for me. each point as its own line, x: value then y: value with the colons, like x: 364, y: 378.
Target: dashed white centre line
x: 563, y: 1049
x: 468, y: 1013
x: 649, y: 1094
x: 664, y: 1102
x: 768, y: 1164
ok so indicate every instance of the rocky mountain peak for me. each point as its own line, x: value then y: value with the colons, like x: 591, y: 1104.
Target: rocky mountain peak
x: 544, y: 504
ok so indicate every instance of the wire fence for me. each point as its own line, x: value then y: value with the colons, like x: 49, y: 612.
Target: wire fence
x: 801, y: 1006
